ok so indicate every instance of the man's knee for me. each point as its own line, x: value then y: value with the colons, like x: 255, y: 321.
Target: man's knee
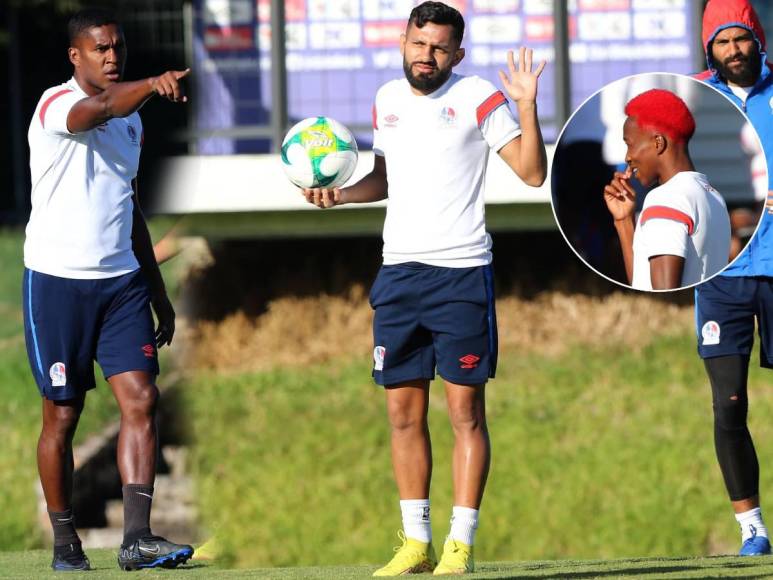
x: 60, y: 419
x: 730, y: 411
x: 141, y: 401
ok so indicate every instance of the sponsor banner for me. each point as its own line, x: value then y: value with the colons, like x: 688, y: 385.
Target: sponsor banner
x: 226, y: 13
x: 383, y: 33
x: 334, y: 36
x: 538, y: 28
x: 604, y: 5
x: 338, y: 10
x: 499, y: 29
x: 659, y: 4
x: 295, y: 37
x: 387, y: 9
x: 542, y: 7
x: 294, y: 10
x: 604, y: 26
x: 496, y: 6
x: 229, y: 38
x: 648, y: 25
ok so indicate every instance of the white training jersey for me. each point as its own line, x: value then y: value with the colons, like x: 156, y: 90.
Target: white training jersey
x: 436, y: 150
x: 81, y: 220
x: 683, y: 217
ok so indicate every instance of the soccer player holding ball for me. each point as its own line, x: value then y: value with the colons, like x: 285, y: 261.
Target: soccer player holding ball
x: 727, y: 305
x: 433, y: 298
x: 90, y: 279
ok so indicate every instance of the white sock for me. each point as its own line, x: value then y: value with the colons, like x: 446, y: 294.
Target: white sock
x: 416, y: 524
x: 751, y: 524
x: 464, y: 522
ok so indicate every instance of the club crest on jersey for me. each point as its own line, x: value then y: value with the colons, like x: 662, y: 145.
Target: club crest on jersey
x: 710, y: 333
x: 378, y: 358
x: 58, y: 374
x: 448, y: 117
x: 391, y: 120
x: 132, y: 134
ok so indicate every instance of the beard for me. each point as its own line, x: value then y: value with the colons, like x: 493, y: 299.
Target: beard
x: 743, y: 76
x: 426, y: 82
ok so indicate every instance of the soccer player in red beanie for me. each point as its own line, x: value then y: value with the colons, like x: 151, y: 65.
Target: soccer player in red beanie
x: 682, y: 235
x: 727, y: 306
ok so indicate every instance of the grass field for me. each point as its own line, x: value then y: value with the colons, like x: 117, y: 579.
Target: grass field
x: 597, y: 453
x: 34, y: 564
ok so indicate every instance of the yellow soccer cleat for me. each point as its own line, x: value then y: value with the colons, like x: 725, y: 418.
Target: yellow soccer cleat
x: 413, y: 557
x: 208, y: 551
x: 456, y: 559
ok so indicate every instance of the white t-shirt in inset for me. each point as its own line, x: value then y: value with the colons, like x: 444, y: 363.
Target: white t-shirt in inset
x: 81, y: 220
x: 436, y: 150
x: 684, y: 217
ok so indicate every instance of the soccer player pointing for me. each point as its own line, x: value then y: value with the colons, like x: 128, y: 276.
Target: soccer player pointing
x: 433, y: 297
x: 682, y: 235
x: 90, y: 279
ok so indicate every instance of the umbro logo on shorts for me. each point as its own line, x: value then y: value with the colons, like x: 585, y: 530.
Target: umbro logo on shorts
x: 469, y: 361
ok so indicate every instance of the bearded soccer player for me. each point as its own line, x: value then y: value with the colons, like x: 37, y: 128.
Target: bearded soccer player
x: 682, y: 235
x: 90, y: 280
x: 727, y: 306
x: 433, y: 297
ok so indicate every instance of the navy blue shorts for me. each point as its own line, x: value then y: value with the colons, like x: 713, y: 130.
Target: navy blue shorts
x: 725, y: 309
x: 429, y: 317
x: 68, y: 324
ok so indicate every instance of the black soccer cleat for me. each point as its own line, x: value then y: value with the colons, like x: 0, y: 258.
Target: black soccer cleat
x: 70, y: 558
x: 153, y: 552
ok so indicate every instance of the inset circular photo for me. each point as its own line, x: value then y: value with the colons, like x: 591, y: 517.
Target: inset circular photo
x: 657, y: 182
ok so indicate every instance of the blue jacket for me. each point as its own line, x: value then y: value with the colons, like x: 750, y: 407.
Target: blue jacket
x: 757, y: 257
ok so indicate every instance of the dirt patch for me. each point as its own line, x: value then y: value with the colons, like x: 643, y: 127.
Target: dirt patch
x: 302, y: 331
x: 260, y: 305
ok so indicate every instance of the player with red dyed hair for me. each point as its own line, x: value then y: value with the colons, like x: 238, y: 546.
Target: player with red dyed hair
x: 682, y: 235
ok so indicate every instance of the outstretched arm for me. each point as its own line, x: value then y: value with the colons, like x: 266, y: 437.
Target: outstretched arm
x: 525, y: 154
x: 372, y: 187
x: 122, y: 99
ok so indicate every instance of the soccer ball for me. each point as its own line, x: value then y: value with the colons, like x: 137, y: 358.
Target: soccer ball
x: 319, y: 152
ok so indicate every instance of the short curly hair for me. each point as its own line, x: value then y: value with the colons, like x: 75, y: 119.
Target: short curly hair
x: 438, y: 13
x: 662, y: 111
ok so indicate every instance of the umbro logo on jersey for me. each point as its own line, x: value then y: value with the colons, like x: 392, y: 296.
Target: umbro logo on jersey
x: 132, y: 134
x: 391, y: 120
x: 469, y: 361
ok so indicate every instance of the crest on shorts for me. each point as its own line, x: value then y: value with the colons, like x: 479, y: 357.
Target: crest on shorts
x: 58, y: 374
x: 378, y: 358
x: 710, y: 332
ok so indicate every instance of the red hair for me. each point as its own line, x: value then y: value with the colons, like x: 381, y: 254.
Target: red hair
x: 663, y: 112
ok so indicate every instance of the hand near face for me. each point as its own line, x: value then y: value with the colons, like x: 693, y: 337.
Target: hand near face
x: 168, y: 85
x: 521, y: 82
x: 322, y: 197
x: 620, y: 196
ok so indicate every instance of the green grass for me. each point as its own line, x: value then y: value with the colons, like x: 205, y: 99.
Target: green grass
x: 34, y: 564
x: 599, y: 453
x: 20, y: 406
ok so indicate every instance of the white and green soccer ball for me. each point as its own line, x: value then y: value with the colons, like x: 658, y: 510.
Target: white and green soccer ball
x: 319, y: 152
